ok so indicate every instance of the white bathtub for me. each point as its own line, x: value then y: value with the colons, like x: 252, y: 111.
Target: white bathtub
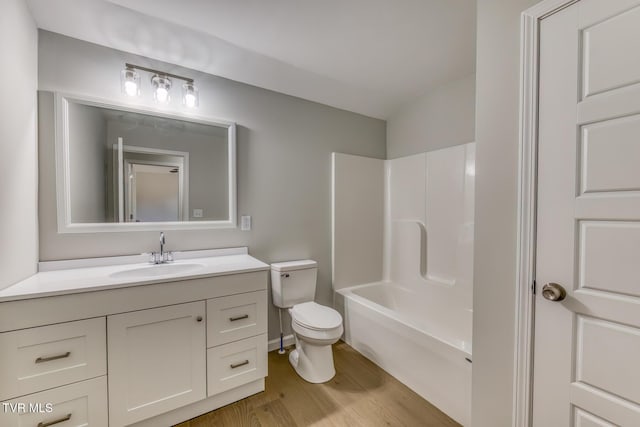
x: 420, y: 336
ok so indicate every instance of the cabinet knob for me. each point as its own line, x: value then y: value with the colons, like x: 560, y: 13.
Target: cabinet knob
x: 199, y: 318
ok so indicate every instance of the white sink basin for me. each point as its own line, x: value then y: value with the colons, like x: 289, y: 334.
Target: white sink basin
x: 156, y: 271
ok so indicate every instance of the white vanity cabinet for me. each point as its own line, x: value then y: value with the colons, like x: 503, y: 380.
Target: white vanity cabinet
x: 156, y: 361
x: 146, y: 354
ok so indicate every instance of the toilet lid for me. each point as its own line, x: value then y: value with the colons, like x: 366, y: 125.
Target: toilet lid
x: 315, y: 316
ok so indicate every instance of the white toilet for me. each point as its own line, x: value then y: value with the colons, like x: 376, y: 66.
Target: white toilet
x: 316, y: 327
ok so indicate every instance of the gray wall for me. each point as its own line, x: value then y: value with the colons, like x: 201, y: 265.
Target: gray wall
x: 497, y: 70
x: 442, y: 118
x: 87, y: 150
x: 284, y: 161
x: 18, y: 143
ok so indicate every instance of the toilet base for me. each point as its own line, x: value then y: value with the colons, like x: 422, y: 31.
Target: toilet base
x: 314, y: 363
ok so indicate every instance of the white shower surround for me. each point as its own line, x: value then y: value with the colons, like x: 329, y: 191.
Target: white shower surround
x: 416, y: 322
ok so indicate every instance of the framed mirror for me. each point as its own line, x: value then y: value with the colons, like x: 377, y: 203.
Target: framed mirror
x: 120, y: 168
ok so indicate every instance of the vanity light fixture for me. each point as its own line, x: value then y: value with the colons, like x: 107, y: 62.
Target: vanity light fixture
x: 161, y: 84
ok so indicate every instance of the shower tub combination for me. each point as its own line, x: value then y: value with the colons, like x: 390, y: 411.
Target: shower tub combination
x: 424, y: 342
x: 411, y: 226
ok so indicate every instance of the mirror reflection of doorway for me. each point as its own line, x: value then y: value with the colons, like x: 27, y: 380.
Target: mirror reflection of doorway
x: 150, y: 185
x: 153, y: 193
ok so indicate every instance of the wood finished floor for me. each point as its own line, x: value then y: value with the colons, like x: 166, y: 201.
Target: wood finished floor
x: 361, y: 394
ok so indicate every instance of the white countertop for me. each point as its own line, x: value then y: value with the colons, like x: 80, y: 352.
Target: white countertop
x: 83, y: 277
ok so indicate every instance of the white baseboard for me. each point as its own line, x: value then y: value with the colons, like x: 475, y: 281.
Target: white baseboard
x: 275, y: 343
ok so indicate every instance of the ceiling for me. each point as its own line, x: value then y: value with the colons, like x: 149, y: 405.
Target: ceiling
x: 366, y: 56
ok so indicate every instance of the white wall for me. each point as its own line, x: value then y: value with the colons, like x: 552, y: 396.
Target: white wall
x: 358, y: 220
x: 497, y: 82
x: 18, y: 144
x: 441, y: 118
x: 284, y: 161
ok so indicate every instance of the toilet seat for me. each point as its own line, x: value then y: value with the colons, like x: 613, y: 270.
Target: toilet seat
x: 312, y: 316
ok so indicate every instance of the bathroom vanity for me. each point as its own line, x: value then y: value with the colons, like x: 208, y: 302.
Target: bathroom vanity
x: 115, y: 341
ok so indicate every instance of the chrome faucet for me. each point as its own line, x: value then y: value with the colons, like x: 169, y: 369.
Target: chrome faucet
x: 161, y: 257
x: 162, y: 242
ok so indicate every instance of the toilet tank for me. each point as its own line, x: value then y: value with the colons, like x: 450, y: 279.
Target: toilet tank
x: 293, y: 282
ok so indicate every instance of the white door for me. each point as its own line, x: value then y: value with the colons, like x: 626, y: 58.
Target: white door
x: 587, y: 346
x: 157, y: 361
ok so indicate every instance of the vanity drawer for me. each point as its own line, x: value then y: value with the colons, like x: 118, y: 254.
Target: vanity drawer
x: 80, y: 404
x: 232, y: 365
x: 50, y: 356
x: 236, y: 317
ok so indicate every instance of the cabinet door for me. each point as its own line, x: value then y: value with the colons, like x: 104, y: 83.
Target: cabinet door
x: 157, y: 361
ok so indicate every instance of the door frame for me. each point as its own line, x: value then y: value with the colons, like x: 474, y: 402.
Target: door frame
x: 184, y: 176
x: 527, y: 197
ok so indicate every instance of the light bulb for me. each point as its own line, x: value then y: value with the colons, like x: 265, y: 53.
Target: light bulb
x: 130, y: 82
x: 161, y: 86
x: 162, y: 95
x: 189, y: 95
x: 131, y: 88
x: 190, y: 100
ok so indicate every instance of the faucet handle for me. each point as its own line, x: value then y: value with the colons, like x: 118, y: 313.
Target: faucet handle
x: 167, y: 256
x: 153, y: 257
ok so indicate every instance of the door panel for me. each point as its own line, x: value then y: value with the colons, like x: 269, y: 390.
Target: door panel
x: 588, y: 217
x: 585, y: 419
x: 610, y: 154
x: 609, y: 270
x: 612, y: 367
x: 607, y: 50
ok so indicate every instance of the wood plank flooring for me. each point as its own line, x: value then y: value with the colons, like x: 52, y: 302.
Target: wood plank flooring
x: 361, y: 394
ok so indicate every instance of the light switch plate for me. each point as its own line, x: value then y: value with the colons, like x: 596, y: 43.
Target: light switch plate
x: 245, y: 222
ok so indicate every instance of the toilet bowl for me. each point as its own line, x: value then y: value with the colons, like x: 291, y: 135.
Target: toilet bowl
x: 316, y: 327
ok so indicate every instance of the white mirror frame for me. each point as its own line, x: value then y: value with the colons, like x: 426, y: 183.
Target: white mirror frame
x: 63, y: 182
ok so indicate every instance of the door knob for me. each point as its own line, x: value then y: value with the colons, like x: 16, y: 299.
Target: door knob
x: 553, y: 292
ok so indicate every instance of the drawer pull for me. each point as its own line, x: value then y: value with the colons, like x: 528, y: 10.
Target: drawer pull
x: 233, y: 319
x: 237, y: 365
x: 58, y: 421
x: 50, y: 358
